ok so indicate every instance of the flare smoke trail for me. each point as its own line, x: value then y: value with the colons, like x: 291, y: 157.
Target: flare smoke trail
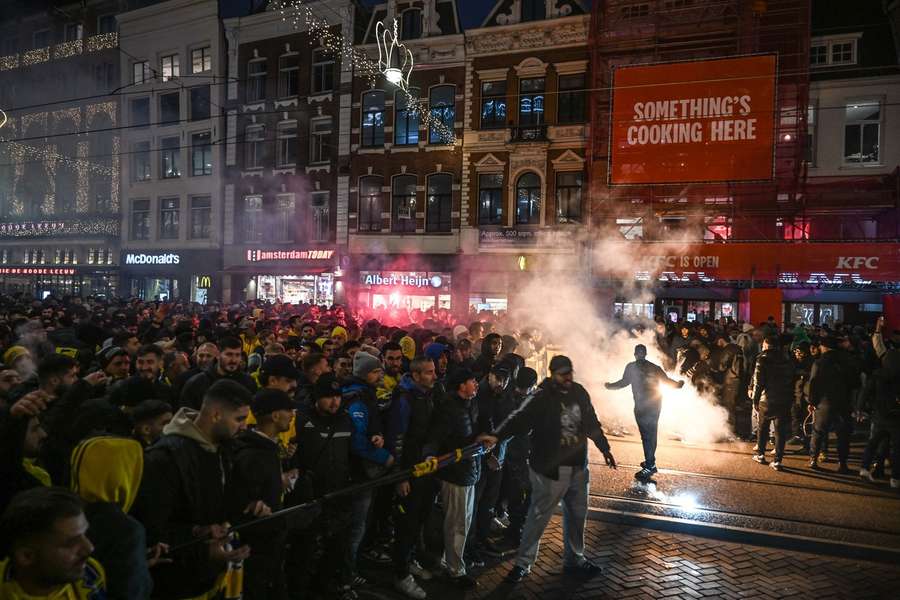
x: 567, y: 310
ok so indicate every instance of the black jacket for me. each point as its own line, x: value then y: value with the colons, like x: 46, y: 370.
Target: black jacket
x: 407, y: 426
x: 772, y: 384
x: 828, y: 383
x: 184, y: 486
x: 801, y: 381
x: 257, y: 476
x: 195, y: 388
x: 493, y: 408
x: 542, y: 416
x: 644, y: 377
x: 120, y: 546
x: 323, y: 453
x: 455, y: 425
x: 882, y: 392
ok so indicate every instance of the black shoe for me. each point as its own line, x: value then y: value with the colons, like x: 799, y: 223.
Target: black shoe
x: 464, y: 582
x: 474, y: 559
x: 843, y: 469
x: 653, y: 470
x: 517, y: 574
x: 584, y: 568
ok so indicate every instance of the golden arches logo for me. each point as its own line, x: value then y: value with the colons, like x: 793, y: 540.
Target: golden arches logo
x: 204, y: 282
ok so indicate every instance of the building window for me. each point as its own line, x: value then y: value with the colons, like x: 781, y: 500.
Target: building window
x: 169, y: 108
x: 568, y: 197
x: 794, y: 229
x: 810, y: 149
x: 253, y: 219
x: 288, y: 75
x: 406, y: 118
x: 284, y: 218
x: 571, y: 99
x: 373, y: 119
x: 170, y: 67
x: 531, y: 102
x: 140, y: 72
x: 41, y: 38
x: 104, y: 77
x: 323, y: 71
x: 717, y: 228
x: 106, y: 24
x: 141, y: 161
x: 201, y: 154
x: 490, y: 199
x: 140, y: 112
x: 631, y: 228
x: 253, y: 142
x: 168, y: 218
x: 319, y: 219
x: 403, y: 206
x: 256, y: 80
x: 833, y: 52
x: 72, y: 32
x: 493, y: 104
x: 442, y: 105
x: 438, y: 203
x: 528, y: 199
x: 170, y: 158
x: 862, y: 132
x: 411, y: 24
x: 287, y: 144
x: 370, y: 203
x: 201, y: 217
x: 200, y: 103
x: 320, y: 141
x: 636, y: 11
x: 140, y: 219
x: 533, y: 10
x: 201, y: 60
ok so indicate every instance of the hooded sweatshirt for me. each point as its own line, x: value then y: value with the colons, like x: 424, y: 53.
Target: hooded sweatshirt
x: 184, y: 483
x: 106, y: 474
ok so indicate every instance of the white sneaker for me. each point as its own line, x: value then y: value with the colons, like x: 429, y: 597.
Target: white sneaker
x: 419, y: 571
x: 867, y: 475
x: 895, y: 483
x: 410, y: 588
x: 776, y: 465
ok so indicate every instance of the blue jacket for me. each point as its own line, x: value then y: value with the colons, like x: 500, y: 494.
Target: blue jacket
x: 360, y: 401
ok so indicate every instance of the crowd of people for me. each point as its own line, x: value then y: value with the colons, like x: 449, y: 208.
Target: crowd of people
x: 177, y: 451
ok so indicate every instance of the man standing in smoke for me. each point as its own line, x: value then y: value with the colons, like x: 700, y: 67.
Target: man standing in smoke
x: 645, y: 379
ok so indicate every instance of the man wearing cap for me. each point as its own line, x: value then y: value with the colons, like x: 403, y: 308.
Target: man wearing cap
x: 561, y: 419
x: 258, y: 477
x: 279, y: 373
x: 318, y: 556
x: 455, y: 425
x: 495, y: 403
x: 645, y: 379
x: 829, y: 397
x: 116, y: 363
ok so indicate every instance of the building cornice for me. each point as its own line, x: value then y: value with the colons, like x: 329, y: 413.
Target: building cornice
x: 534, y: 35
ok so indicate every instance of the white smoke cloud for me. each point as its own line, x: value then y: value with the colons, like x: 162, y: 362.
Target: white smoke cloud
x: 567, y: 311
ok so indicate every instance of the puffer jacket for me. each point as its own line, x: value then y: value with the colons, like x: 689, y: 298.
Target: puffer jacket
x: 828, y: 383
x: 455, y: 425
x: 411, y: 412
x: 772, y: 384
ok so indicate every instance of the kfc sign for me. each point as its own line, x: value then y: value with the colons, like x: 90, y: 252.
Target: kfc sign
x: 133, y: 258
x: 708, y: 120
x: 857, y: 262
x: 270, y: 255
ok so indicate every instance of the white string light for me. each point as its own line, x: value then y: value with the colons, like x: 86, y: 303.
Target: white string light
x: 301, y: 17
x: 394, y: 59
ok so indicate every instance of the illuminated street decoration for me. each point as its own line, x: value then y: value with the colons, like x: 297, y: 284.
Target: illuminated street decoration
x: 3, y: 118
x: 85, y: 226
x: 301, y: 17
x: 395, y: 60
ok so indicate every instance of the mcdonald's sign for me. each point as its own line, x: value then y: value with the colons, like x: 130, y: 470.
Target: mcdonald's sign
x: 204, y: 282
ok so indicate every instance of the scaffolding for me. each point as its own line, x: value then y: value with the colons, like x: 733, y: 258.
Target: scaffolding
x: 625, y: 32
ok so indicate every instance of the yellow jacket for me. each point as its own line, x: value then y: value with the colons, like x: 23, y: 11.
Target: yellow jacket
x: 91, y: 586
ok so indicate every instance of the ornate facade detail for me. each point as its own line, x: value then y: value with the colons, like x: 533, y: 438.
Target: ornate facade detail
x: 540, y: 34
x: 513, y: 16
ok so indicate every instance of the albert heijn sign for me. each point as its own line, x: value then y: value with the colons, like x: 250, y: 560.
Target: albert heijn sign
x: 787, y: 262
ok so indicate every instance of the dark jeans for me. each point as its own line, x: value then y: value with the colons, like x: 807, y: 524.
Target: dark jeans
x: 517, y: 490
x: 487, y: 490
x: 318, y: 557
x: 409, y: 519
x: 648, y: 423
x: 827, y: 419
x: 798, y: 415
x: 264, y: 573
x: 877, y: 437
x: 782, y: 430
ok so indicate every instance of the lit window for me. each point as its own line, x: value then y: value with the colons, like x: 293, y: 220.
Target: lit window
x: 442, y: 104
x: 170, y: 67
x: 170, y: 158
x: 140, y: 72
x: 284, y: 218
x: 493, y: 104
x: 490, y: 199
x: 201, y: 60
x: 833, y: 52
x: 201, y: 217
x: 404, y: 204
x: 168, y: 218
x: 528, y: 199
x: 568, y: 197
x: 253, y: 219
x: 201, y: 154
x: 319, y: 221
x: 406, y: 118
x: 372, y: 119
x: 862, y: 132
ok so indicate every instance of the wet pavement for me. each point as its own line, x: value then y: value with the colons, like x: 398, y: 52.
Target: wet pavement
x: 719, y: 483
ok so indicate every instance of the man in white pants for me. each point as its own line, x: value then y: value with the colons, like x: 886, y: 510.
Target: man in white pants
x: 561, y: 419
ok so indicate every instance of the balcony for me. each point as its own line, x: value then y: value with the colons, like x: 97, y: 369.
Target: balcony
x: 103, y: 41
x: 529, y: 133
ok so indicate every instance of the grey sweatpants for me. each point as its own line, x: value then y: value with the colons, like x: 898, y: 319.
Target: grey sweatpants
x: 459, y: 504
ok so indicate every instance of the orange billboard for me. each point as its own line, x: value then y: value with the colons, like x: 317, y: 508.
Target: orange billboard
x: 697, y: 121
